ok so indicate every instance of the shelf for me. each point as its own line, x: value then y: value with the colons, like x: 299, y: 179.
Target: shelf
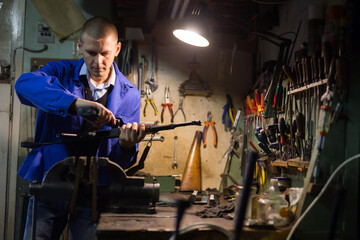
x: 307, y: 87
x: 296, y: 162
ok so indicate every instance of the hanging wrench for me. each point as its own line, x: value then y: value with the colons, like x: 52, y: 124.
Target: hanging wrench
x: 175, y: 165
x: 151, y: 81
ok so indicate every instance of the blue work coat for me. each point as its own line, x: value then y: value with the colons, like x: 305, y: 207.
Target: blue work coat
x: 52, y: 90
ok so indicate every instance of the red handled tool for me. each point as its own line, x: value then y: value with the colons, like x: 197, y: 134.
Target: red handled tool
x: 167, y: 104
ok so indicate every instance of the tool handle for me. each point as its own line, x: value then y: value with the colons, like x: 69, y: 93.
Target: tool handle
x: 248, y: 101
x: 154, y: 107
x: 300, y: 73
x: 214, y: 133
x: 257, y: 96
x: 257, y: 100
x: 300, y: 122
x: 304, y: 71
x: 332, y: 71
x: 237, y: 118
x: 253, y: 146
x: 327, y: 54
x: 315, y: 63
x: 295, y: 71
x: 312, y: 67
x: 146, y: 103
x: 282, y: 130
x: 265, y: 148
x: 205, y: 132
x: 162, y: 112
x: 308, y: 70
x: 254, y: 109
x: 263, y: 136
x: 171, y: 112
x: 321, y: 68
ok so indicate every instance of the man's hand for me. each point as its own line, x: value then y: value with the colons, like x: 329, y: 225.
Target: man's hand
x: 131, y: 134
x: 104, y: 115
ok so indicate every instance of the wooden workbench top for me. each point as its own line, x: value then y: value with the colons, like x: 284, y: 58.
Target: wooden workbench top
x: 161, y: 225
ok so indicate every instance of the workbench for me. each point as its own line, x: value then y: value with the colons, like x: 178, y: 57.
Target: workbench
x: 161, y: 225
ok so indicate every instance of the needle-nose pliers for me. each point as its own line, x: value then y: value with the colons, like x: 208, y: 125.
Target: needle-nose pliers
x: 168, y: 104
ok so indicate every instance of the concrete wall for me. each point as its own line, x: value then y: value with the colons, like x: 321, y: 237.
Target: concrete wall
x: 172, y: 70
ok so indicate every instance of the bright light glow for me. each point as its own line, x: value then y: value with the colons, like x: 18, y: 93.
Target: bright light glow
x: 191, y: 38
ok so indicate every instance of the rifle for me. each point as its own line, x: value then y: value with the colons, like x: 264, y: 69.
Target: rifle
x: 106, y: 134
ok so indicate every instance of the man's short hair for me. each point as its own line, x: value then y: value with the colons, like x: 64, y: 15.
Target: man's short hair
x: 98, y: 27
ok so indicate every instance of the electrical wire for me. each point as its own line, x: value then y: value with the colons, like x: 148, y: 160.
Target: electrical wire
x: 320, y: 194
x: 25, y: 49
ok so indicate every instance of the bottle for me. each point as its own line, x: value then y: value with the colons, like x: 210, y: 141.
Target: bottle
x: 276, y: 205
x: 263, y: 204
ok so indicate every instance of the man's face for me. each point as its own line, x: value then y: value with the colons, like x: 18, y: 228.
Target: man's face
x: 99, y: 55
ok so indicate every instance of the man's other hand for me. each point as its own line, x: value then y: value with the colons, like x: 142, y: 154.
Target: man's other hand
x: 131, y: 134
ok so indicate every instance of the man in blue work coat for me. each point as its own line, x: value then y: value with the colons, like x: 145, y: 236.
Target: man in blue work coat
x: 58, y: 90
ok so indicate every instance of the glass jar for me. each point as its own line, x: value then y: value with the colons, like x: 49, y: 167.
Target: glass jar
x: 251, y: 209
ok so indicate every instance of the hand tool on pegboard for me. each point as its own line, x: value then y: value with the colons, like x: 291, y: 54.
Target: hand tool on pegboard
x: 228, y: 114
x: 151, y: 81
x: 149, y: 99
x: 236, y: 142
x: 167, y: 104
x: 210, y: 124
x: 180, y: 108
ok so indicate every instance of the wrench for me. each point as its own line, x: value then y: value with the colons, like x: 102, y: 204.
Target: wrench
x: 151, y: 81
x: 175, y: 165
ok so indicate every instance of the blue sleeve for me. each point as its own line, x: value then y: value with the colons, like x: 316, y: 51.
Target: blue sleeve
x: 46, y: 89
x: 127, y: 158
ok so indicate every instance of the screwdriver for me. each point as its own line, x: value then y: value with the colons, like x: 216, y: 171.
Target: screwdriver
x: 257, y: 100
x: 282, y: 127
x: 300, y: 134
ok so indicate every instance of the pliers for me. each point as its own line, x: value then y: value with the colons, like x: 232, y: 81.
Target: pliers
x: 180, y: 108
x: 228, y: 114
x: 209, y: 123
x: 168, y: 104
x: 150, y: 99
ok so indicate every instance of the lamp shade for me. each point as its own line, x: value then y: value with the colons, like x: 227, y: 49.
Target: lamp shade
x: 192, y: 30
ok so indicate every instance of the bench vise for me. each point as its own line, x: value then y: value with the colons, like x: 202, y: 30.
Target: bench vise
x: 75, y: 179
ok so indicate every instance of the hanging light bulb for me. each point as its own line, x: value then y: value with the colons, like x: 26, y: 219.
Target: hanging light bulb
x: 193, y: 30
